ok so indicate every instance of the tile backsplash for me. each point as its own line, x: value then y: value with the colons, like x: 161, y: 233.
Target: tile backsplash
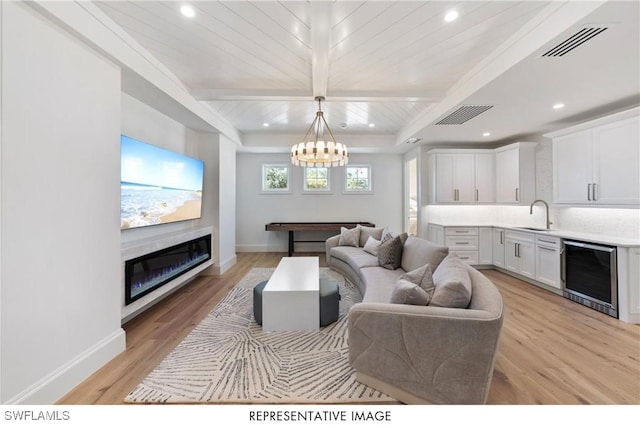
x: 607, y: 221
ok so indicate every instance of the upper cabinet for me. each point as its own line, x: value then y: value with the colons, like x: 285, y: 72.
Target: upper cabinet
x: 516, y: 173
x: 455, y: 178
x: 468, y: 176
x: 461, y: 176
x: 596, y: 163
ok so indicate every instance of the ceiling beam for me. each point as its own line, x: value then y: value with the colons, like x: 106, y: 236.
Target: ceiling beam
x: 298, y: 95
x: 320, y: 44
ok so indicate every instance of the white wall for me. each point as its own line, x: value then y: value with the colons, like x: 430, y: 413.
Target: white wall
x: 255, y: 209
x: 60, y: 240
x: 227, y: 205
x: 219, y: 204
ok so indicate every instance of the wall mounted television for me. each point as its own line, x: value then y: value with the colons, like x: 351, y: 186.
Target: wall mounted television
x: 157, y: 186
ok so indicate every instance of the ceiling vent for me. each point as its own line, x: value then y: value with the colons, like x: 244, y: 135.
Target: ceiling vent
x: 578, y: 39
x: 464, y: 114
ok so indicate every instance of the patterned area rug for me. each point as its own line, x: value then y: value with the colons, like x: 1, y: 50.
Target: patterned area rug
x: 227, y: 358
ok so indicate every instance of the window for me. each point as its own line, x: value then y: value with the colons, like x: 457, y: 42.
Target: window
x: 276, y: 178
x: 358, y: 178
x: 316, y: 179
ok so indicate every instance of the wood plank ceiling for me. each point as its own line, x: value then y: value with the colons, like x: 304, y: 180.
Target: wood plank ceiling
x: 386, y: 62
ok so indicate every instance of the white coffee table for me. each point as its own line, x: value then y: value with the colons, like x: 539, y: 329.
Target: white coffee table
x: 291, y: 298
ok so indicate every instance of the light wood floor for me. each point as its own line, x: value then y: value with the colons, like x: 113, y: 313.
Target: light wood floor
x: 552, y: 350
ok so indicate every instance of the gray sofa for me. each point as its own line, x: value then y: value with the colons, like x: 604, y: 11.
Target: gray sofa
x: 419, y: 354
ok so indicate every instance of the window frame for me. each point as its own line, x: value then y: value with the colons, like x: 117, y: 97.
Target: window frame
x: 267, y: 190
x: 369, y: 189
x: 308, y: 190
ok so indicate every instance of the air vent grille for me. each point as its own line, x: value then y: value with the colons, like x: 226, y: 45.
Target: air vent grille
x: 574, y: 41
x: 464, y: 114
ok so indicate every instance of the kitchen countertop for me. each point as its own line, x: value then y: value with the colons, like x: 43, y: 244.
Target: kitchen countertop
x: 563, y: 234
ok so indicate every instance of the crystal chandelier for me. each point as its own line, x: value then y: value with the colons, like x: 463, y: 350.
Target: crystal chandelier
x: 315, y: 150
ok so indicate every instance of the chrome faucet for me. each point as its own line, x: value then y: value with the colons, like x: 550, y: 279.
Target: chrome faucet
x: 546, y: 206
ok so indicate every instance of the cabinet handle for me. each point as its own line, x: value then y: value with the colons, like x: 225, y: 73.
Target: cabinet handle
x: 502, y: 237
x: 463, y: 257
x: 563, y: 268
x: 588, y: 191
x: 477, y: 198
x: 462, y: 243
x: 546, y: 241
x: 517, y: 199
x: 593, y: 192
x: 546, y: 249
x: 462, y: 231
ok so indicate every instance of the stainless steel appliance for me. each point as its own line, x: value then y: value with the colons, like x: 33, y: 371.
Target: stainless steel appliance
x: 589, y: 275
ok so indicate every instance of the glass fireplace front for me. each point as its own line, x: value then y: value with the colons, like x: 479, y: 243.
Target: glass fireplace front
x: 147, y: 273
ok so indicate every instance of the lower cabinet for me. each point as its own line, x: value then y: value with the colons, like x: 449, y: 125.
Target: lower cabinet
x: 463, y: 241
x: 485, y: 246
x: 531, y: 255
x: 498, y: 247
x: 548, y: 261
x: 519, y: 254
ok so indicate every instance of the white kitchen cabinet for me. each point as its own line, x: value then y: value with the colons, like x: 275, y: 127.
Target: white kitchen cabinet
x: 485, y: 245
x: 435, y: 234
x: 498, y: 249
x: 519, y: 255
x: 596, y: 163
x: 548, y: 261
x: 463, y: 241
x: 461, y: 176
x: 455, y: 177
x: 515, y: 173
x: 485, y: 178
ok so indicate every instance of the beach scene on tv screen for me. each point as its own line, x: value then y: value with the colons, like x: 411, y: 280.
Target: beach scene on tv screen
x: 158, y: 186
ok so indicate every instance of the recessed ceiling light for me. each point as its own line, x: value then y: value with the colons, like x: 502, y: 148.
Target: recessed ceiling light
x: 486, y: 134
x: 265, y: 125
x: 451, y: 15
x: 558, y: 106
x: 372, y: 125
x: 187, y: 11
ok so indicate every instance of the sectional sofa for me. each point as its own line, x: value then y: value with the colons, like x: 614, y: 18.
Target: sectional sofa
x: 419, y: 353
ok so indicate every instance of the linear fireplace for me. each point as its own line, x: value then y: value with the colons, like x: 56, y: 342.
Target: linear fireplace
x: 148, y: 272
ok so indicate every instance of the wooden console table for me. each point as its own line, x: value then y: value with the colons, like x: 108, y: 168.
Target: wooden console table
x: 291, y: 227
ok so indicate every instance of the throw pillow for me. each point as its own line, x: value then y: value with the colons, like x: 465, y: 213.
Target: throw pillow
x: 349, y: 237
x: 422, y: 277
x: 366, y: 232
x: 390, y: 253
x: 405, y: 292
x: 388, y: 235
x: 372, y: 246
x: 453, y: 284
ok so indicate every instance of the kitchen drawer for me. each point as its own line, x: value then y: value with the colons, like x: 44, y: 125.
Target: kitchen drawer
x: 463, y: 243
x: 519, y: 235
x: 470, y: 257
x: 548, y: 241
x: 462, y: 231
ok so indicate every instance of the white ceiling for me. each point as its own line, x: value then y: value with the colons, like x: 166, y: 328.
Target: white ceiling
x: 397, y: 65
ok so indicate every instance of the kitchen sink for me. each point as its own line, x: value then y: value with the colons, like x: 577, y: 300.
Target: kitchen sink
x: 532, y: 228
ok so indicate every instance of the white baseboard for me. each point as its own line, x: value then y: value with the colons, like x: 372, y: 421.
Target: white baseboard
x: 219, y: 270
x: 261, y: 248
x: 61, y: 381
